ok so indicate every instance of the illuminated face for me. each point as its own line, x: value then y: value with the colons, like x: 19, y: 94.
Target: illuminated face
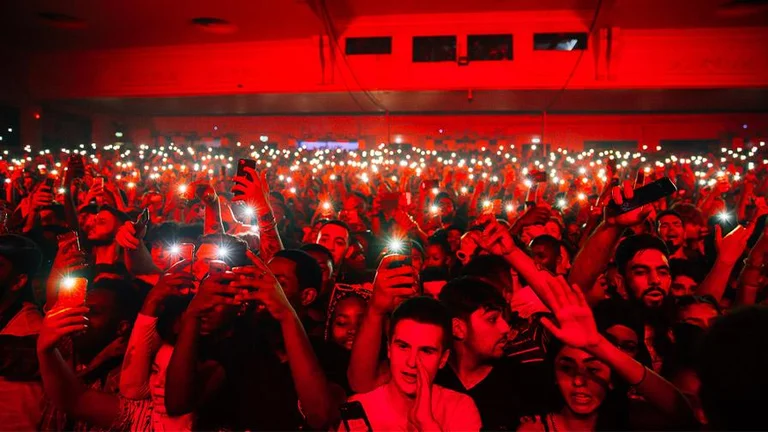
x: 647, y: 277
x: 699, y: 314
x: 446, y: 209
x: 161, y: 256
x: 336, y: 239
x: 346, y: 320
x: 671, y: 230
x: 104, y: 227
x: 583, y: 380
x: 683, y: 285
x: 487, y: 333
x: 411, y: 340
x: 436, y: 257
x: 157, y: 376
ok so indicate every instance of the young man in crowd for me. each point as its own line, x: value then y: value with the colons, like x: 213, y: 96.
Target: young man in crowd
x: 418, y: 348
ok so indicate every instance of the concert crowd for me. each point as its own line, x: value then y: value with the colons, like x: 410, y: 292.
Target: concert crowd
x: 262, y: 287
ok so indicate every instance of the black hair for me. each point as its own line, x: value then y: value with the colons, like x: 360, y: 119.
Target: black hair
x: 236, y: 248
x: 121, y: 216
x: 416, y: 245
x: 669, y: 213
x: 465, y: 295
x: 165, y: 232
x: 190, y: 231
x: 440, y: 240
x: 454, y: 228
x: 127, y: 298
x: 683, y: 267
x: 547, y: 241
x: 732, y: 370
x: 314, y: 247
x: 612, y: 312
x: 308, y: 271
x: 424, y: 310
x: 630, y: 246
x: 492, y: 268
x: 340, y: 224
x: 689, y: 214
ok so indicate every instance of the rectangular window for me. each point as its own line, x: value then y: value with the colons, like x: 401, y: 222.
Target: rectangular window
x: 489, y: 47
x: 560, y: 41
x: 369, y: 45
x: 434, y: 49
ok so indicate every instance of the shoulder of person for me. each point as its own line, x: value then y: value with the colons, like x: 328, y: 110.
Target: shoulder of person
x: 531, y: 424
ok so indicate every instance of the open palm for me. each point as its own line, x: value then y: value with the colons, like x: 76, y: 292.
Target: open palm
x: 575, y: 322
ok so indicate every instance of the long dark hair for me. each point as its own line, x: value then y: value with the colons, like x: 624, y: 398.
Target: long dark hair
x: 613, y: 413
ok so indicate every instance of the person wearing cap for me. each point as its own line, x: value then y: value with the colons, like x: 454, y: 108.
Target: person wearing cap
x: 20, y: 390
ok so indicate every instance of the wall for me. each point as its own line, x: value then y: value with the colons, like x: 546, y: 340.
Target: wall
x: 637, y: 58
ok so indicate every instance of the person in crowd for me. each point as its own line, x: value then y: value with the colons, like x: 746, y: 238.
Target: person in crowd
x: 258, y: 327
x: 21, y: 394
x: 418, y: 348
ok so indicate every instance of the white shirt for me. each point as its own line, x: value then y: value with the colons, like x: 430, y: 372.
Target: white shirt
x: 454, y: 411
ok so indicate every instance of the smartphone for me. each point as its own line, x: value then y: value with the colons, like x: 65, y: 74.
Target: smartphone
x: 72, y: 292
x: 217, y: 266
x: 69, y: 235
x: 49, y: 181
x: 390, y: 201
x: 223, y: 171
x: 75, y: 165
x: 401, y: 261
x: 241, y: 165
x: 532, y: 196
x: 354, y: 418
x: 186, y: 252
x: 645, y: 195
x: 142, y: 221
x: 640, y: 178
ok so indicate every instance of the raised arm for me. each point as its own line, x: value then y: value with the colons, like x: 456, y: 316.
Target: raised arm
x: 363, y: 372
x: 319, y: 398
x: 255, y: 192
x: 594, y: 257
x: 576, y: 327
x: 730, y: 249
x: 61, y: 385
x: 183, y: 386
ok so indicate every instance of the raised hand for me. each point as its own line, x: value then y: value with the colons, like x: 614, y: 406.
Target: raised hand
x: 41, y: 197
x: 496, y: 239
x: 175, y: 282
x: 575, y: 321
x: 127, y: 236
x: 732, y: 246
x: 391, y: 286
x: 631, y: 218
x: 420, y: 418
x: 215, y: 290
x: 254, y: 190
x: 58, y: 323
x: 258, y: 283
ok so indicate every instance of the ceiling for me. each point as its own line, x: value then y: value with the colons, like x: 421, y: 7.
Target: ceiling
x: 135, y: 23
x: 497, y: 101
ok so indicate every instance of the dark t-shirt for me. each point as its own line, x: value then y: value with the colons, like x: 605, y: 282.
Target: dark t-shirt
x: 510, y: 391
x: 258, y: 393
